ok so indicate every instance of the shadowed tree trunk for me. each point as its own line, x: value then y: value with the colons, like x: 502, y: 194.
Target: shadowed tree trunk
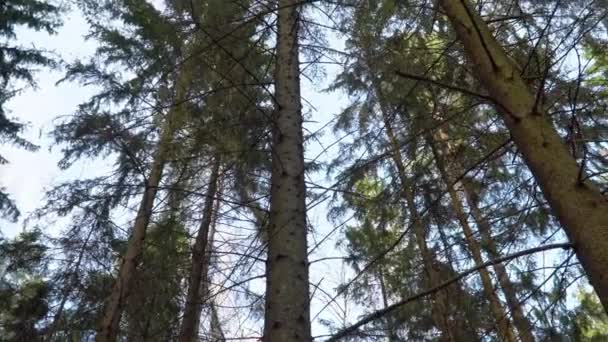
x: 287, y: 316
x: 215, y: 325
x: 578, y: 204
x: 199, y: 265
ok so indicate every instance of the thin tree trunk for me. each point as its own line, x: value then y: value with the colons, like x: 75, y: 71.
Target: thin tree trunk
x: 579, y: 205
x: 215, y: 326
x: 440, y: 300
x: 108, y: 329
x: 287, y: 315
x: 440, y: 307
x: 194, y: 304
x: 441, y: 155
x: 217, y: 333
x: 523, y: 325
x: 390, y: 322
x: 448, y: 249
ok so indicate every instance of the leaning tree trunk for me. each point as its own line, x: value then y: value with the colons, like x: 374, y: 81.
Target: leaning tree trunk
x: 523, y: 325
x: 215, y: 326
x: 445, y: 166
x: 579, y: 205
x: 114, y: 305
x: 108, y: 329
x: 287, y: 316
x: 194, y: 304
x: 440, y: 300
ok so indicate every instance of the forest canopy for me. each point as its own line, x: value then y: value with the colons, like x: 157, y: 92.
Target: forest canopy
x: 285, y: 170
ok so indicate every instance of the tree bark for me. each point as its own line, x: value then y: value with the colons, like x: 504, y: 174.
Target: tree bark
x: 440, y: 300
x: 437, y: 141
x: 578, y: 204
x: 215, y: 325
x: 287, y: 316
x: 199, y: 264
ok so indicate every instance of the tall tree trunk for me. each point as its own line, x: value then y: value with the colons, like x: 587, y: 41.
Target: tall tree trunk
x: 199, y: 265
x: 440, y: 300
x: 442, y: 157
x: 108, y: 329
x: 523, y: 325
x: 287, y: 315
x: 578, y: 204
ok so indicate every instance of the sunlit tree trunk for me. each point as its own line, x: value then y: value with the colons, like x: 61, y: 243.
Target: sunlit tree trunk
x: 437, y: 141
x: 440, y: 301
x: 579, y: 205
x: 287, y: 315
x: 523, y: 325
x: 199, y: 264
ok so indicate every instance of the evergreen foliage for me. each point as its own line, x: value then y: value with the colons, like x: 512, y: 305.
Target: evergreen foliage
x: 225, y: 204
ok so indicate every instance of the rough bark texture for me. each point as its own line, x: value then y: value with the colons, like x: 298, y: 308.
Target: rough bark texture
x: 199, y: 264
x: 579, y: 205
x: 441, y: 152
x: 108, y: 329
x: 287, y: 294
x: 523, y: 325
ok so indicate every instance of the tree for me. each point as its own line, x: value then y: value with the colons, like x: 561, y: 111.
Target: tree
x: 200, y: 260
x: 287, y: 316
x: 578, y: 204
